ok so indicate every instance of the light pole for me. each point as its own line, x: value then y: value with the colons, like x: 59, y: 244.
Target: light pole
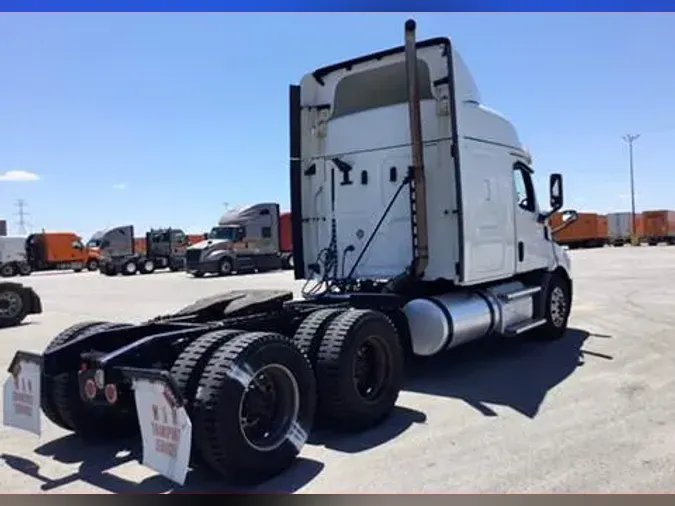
x: 630, y: 139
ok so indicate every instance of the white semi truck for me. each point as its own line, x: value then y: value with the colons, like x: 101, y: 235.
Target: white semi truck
x: 415, y: 218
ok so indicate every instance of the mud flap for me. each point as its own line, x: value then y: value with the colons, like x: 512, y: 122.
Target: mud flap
x: 21, y: 393
x: 166, y: 429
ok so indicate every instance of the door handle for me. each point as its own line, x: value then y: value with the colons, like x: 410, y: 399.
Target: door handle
x: 521, y: 251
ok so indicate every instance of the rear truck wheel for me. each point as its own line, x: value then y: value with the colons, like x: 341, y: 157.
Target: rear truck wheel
x: 311, y: 331
x: 14, y: 306
x: 129, y: 268
x: 47, y: 387
x: 359, y: 369
x: 92, y: 265
x: 147, y: 266
x: 557, y: 307
x: 189, y: 367
x: 8, y: 270
x: 24, y: 269
x: 87, y: 421
x: 254, y: 408
x: 226, y: 266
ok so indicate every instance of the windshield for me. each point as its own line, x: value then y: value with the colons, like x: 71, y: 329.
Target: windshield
x: 229, y: 233
x: 94, y: 243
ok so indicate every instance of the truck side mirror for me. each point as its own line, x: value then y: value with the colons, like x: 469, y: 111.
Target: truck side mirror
x: 556, y: 191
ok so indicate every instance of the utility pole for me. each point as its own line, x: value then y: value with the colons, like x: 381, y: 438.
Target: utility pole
x: 21, y: 205
x: 630, y: 139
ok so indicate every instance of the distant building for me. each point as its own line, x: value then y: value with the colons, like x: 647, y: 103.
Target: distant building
x: 3, y: 228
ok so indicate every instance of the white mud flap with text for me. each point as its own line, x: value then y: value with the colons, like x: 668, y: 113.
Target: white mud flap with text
x: 21, y: 396
x: 166, y: 429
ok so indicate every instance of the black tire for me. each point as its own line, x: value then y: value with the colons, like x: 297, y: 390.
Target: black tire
x: 341, y: 404
x: 147, y: 266
x: 556, y: 309
x: 46, y: 384
x: 91, y: 422
x: 92, y: 265
x: 14, y: 304
x: 225, y: 267
x: 129, y: 268
x: 8, y: 270
x: 312, y: 329
x: 189, y: 367
x: 224, y: 388
x: 108, y: 270
x: 25, y: 269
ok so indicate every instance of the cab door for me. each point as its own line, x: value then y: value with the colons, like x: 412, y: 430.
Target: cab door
x: 533, y: 240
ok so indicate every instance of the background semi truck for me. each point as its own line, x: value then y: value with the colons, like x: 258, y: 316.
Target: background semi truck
x: 415, y: 225
x: 251, y: 238
x: 121, y: 252
x: 49, y: 251
x: 589, y: 230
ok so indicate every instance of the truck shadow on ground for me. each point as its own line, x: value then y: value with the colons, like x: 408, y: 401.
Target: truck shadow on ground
x: 97, y: 468
x: 517, y: 374
x: 513, y: 373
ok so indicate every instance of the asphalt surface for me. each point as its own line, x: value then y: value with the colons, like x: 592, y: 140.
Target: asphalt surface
x: 594, y: 412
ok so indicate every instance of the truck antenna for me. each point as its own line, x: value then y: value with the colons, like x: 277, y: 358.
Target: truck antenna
x: 418, y: 193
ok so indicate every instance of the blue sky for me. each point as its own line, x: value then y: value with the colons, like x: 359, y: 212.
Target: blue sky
x: 159, y: 119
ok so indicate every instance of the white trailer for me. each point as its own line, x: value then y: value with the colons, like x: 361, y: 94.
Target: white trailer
x: 619, y: 228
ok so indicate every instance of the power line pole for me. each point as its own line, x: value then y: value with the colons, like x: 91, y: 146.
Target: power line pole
x: 21, y: 205
x: 630, y: 139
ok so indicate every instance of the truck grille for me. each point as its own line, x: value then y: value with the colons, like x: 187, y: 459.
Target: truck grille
x: 192, y: 257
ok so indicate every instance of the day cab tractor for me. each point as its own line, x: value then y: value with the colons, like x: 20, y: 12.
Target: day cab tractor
x: 121, y: 252
x: 417, y: 228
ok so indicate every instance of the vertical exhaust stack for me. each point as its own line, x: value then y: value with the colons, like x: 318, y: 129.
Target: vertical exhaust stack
x: 420, y: 228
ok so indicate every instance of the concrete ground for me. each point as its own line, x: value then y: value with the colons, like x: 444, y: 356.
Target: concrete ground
x: 594, y: 412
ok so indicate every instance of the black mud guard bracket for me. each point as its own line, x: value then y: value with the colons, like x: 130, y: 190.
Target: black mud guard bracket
x: 156, y: 376
x: 237, y: 303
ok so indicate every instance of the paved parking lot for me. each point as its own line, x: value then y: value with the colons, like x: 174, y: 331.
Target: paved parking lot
x: 594, y: 412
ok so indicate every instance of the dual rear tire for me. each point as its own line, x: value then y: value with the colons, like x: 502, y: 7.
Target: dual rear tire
x: 253, y: 396
x: 60, y: 396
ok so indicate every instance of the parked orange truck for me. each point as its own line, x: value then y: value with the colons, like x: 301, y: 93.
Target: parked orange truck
x: 588, y: 231
x: 48, y: 251
x: 659, y: 226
